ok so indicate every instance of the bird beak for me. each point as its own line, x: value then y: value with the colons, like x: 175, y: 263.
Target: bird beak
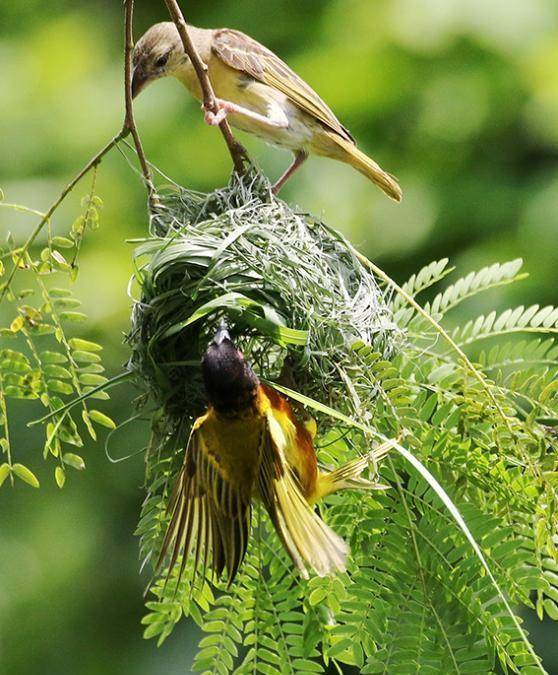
x: 222, y: 334
x: 139, y: 80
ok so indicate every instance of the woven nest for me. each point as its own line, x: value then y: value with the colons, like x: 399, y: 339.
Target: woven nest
x: 291, y: 290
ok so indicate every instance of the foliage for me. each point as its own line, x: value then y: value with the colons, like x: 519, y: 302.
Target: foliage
x: 416, y: 597
x: 479, y: 186
x: 47, y: 360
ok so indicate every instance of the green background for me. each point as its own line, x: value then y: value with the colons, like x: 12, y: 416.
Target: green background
x: 458, y: 98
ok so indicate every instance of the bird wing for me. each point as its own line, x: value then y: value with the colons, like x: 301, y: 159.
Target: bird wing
x: 305, y: 536
x: 210, y: 514
x: 243, y: 53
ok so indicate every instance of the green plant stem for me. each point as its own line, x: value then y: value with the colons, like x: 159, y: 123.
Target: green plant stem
x: 22, y: 209
x: 101, y: 387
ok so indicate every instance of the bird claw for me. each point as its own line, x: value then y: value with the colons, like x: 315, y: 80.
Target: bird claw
x: 213, y: 118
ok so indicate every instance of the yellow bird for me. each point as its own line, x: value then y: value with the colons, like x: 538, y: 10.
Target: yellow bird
x: 250, y: 446
x: 258, y: 93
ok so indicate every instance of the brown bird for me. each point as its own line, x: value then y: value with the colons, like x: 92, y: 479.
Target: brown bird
x: 258, y: 93
x: 249, y: 446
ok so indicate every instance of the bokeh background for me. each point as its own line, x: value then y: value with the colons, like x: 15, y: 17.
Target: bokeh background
x: 458, y: 98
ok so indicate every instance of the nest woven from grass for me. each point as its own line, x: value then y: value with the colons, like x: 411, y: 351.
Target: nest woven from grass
x: 293, y: 293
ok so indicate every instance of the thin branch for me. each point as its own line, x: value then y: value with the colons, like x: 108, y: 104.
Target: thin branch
x: 94, y: 161
x: 129, y: 122
x: 237, y: 151
x: 128, y: 127
x: 117, y: 379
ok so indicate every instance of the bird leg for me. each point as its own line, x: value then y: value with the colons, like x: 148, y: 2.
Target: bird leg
x: 277, y: 120
x: 299, y: 158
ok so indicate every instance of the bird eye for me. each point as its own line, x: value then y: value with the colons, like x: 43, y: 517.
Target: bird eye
x: 161, y: 62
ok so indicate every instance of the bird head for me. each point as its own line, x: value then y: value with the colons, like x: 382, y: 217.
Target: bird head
x: 158, y: 53
x: 230, y: 382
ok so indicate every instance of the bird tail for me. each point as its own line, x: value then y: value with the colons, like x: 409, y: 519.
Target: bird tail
x: 305, y: 536
x: 348, y: 476
x: 368, y: 167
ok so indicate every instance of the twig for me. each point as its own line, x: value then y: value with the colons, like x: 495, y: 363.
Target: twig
x: 65, y: 192
x: 117, y: 379
x: 129, y: 122
x: 237, y: 151
x: 129, y: 127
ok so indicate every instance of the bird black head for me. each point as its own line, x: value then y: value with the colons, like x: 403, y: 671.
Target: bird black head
x: 230, y: 382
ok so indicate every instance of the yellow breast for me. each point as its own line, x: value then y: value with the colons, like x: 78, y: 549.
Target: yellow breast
x: 234, y: 446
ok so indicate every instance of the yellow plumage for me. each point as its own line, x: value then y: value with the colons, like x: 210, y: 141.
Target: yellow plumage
x: 264, y: 454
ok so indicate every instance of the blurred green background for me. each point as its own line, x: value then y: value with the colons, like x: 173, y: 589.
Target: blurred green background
x: 458, y: 98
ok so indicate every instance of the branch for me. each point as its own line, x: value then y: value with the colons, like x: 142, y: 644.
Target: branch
x: 128, y: 127
x: 94, y: 161
x: 237, y: 151
x: 129, y: 122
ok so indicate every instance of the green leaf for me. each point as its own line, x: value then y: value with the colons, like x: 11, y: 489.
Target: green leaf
x: 26, y: 475
x: 60, y: 476
x: 68, y: 433
x: 17, y: 324
x: 62, y: 242
x: 4, y: 472
x: 92, y: 379
x: 59, y: 292
x: 59, y: 258
x: 59, y: 387
x: 245, y: 306
x: 52, y: 370
x: 69, y: 303
x: 84, y: 345
x: 75, y: 461
x: 317, y: 596
x: 52, y: 357
x: 102, y: 419
x: 73, y: 316
x: 85, y: 357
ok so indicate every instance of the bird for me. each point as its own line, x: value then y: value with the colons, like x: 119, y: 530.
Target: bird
x: 258, y: 93
x: 249, y: 446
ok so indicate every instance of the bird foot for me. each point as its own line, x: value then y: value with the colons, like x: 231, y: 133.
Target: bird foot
x: 223, y: 108
x: 214, y: 116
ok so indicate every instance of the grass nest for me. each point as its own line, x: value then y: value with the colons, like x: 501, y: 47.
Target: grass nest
x: 294, y: 295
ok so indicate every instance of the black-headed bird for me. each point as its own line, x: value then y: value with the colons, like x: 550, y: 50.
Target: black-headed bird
x: 258, y: 93
x: 249, y: 445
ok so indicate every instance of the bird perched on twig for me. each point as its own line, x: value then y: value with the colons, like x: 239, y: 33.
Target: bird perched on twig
x: 248, y: 446
x: 258, y: 93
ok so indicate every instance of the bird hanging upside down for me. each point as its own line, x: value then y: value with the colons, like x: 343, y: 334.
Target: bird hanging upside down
x: 250, y: 446
x: 258, y: 93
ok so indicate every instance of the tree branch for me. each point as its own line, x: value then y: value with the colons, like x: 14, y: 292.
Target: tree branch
x: 128, y: 127
x: 129, y: 122
x: 237, y: 151
x: 65, y: 192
